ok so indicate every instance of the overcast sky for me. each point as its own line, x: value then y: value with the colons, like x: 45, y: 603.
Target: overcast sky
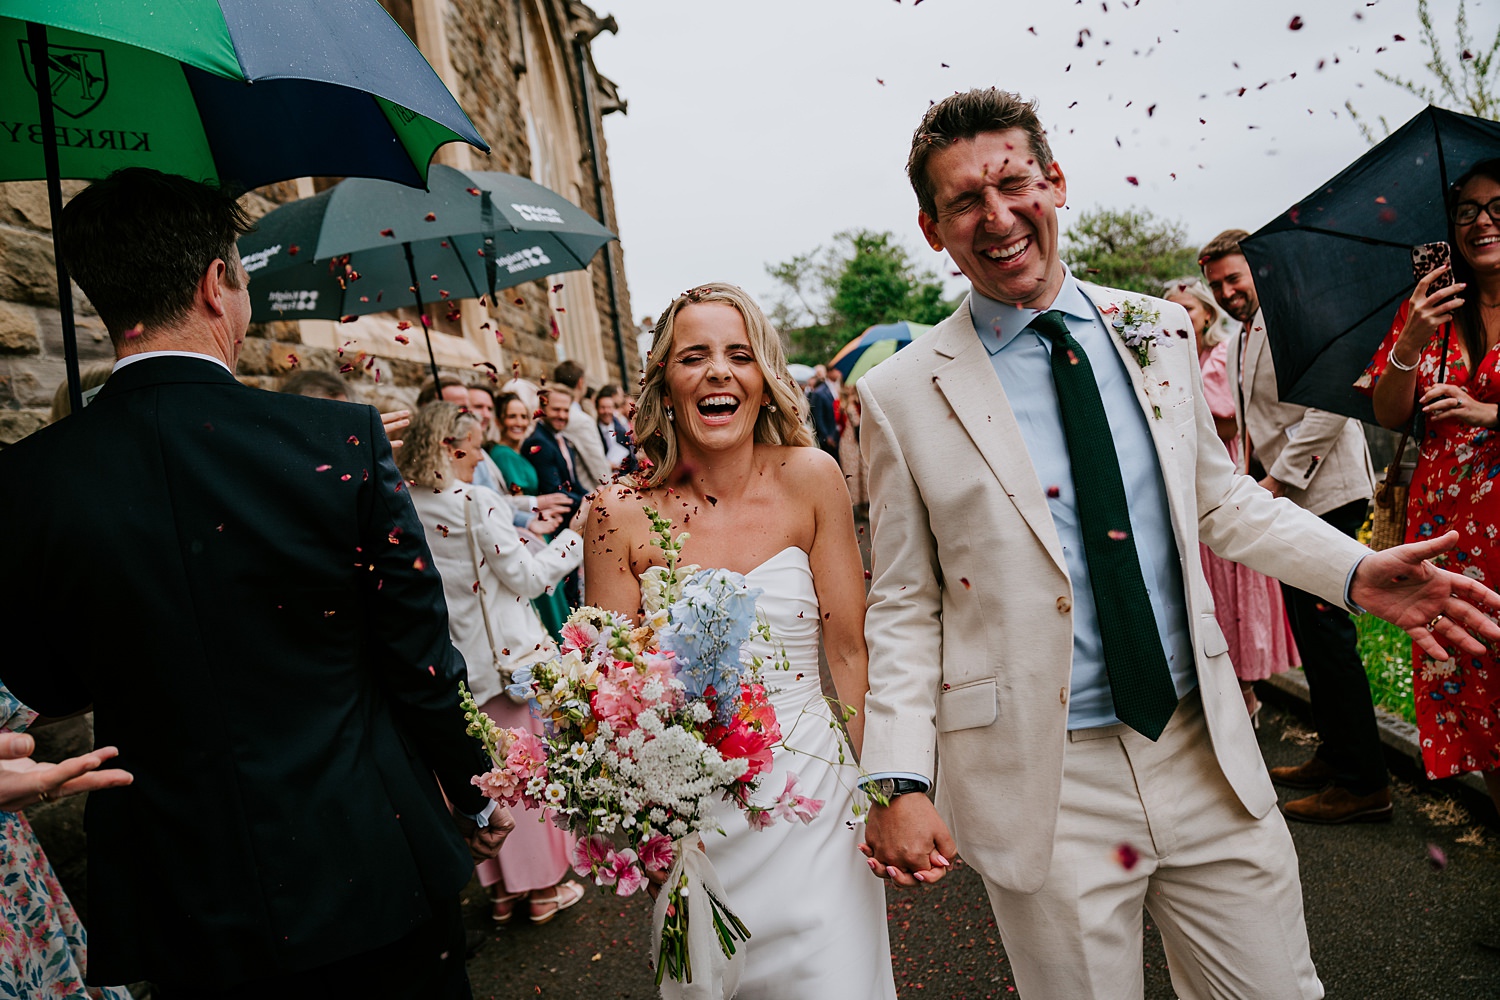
x: 757, y: 129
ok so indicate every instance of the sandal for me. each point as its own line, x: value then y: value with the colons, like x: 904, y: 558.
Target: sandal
x: 503, y: 906
x: 559, y: 898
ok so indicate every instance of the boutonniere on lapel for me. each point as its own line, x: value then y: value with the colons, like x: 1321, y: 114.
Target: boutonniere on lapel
x: 1138, y: 325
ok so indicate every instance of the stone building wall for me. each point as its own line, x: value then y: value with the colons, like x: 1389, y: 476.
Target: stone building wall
x: 514, y: 66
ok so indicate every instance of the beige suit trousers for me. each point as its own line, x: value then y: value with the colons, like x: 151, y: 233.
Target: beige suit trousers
x: 1157, y: 824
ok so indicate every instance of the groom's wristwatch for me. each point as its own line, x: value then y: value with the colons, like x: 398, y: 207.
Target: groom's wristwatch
x: 889, y: 788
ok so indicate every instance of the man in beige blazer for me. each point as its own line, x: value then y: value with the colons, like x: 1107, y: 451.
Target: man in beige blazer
x: 1320, y: 462
x: 986, y: 672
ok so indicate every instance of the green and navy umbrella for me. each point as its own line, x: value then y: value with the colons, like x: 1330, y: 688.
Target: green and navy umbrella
x: 367, y: 246
x: 874, y: 346
x: 237, y: 92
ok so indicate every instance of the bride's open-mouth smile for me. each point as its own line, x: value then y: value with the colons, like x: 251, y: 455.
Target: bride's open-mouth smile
x: 718, y: 409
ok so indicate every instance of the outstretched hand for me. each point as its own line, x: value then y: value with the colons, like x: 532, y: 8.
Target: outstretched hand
x: 1439, y: 609
x: 24, y: 782
x: 908, y: 842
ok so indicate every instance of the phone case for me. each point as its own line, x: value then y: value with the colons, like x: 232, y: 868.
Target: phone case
x: 1429, y: 257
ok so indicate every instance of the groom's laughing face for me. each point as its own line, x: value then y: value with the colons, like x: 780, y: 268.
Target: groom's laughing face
x: 997, y: 216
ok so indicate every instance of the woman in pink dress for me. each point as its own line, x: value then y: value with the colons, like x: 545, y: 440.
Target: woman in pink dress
x: 1246, y: 603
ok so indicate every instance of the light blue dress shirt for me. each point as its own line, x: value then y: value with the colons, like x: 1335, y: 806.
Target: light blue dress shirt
x: 1023, y: 360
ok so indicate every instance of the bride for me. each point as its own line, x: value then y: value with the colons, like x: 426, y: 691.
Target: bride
x: 733, y: 464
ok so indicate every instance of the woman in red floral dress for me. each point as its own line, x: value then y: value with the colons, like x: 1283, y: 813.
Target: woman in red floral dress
x: 1454, y: 487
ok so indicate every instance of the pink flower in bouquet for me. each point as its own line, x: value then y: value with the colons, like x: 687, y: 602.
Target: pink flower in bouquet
x: 526, y: 756
x: 790, y: 806
x: 579, y: 636
x: 756, y: 709
x: 589, y: 853
x: 623, y: 871
x: 621, y: 693
x: 657, y: 853
x: 500, y: 784
x: 759, y: 818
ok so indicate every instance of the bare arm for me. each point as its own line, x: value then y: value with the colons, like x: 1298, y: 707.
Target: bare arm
x: 607, y: 544
x: 1394, y: 393
x: 838, y: 575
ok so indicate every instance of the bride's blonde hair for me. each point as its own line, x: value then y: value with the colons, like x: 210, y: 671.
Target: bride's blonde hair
x: 783, y: 422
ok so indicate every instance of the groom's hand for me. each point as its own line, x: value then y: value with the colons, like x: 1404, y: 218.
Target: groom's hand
x: 1440, y: 610
x: 908, y: 842
x: 484, y: 841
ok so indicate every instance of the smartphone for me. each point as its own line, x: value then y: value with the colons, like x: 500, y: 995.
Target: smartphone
x: 1428, y: 258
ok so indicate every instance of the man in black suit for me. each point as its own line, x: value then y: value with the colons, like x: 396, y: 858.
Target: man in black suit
x: 266, y: 642
x: 549, y: 451
x: 824, y: 416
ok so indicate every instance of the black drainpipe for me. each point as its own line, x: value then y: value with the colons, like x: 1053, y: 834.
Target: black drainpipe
x: 586, y: 85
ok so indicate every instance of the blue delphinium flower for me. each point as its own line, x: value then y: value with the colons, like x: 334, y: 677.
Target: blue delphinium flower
x: 709, y: 623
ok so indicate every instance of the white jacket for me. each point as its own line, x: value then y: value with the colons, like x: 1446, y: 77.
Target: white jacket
x: 510, y: 574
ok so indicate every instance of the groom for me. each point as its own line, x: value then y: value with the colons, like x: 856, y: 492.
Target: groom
x: 1042, y: 639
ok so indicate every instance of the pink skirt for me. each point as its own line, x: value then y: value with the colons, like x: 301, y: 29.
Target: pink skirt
x: 1250, y: 611
x: 535, y: 855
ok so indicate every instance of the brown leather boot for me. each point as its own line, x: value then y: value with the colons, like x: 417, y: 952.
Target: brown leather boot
x: 1338, y: 805
x: 1311, y: 773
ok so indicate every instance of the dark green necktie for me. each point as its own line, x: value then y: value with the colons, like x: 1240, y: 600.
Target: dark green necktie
x: 1139, y: 677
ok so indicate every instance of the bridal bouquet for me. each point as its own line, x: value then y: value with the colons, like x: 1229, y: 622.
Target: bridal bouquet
x: 647, y: 727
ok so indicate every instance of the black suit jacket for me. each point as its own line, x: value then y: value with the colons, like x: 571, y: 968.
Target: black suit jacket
x: 825, y: 420
x: 239, y: 584
x: 543, y: 452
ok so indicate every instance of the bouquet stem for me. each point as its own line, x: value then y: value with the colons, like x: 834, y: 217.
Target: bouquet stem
x: 695, y: 931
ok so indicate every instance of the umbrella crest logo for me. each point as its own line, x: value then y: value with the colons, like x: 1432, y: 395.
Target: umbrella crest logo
x: 539, y: 213
x: 78, y: 76
x: 293, y: 301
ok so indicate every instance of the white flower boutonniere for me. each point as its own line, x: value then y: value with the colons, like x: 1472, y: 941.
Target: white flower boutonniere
x: 1138, y: 325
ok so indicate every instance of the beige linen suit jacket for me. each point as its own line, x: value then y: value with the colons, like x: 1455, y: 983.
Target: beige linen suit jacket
x: 1320, y: 456
x: 970, y: 625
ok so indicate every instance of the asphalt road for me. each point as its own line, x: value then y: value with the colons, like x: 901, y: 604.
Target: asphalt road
x: 1393, y: 911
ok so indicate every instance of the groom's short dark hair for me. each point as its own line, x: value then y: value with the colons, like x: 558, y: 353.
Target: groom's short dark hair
x: 963, y: 116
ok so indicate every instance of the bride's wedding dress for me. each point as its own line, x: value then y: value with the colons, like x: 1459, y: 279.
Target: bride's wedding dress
x: 816, y: 915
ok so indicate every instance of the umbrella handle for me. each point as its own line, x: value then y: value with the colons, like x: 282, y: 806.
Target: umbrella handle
x: 416, y: 291
x: 36, y: 40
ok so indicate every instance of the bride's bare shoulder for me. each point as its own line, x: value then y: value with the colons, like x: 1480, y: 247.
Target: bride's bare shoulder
x: 801, y: 467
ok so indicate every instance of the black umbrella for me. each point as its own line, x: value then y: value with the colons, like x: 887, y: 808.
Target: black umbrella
x: 366, y: 246
x: 1332, y: 270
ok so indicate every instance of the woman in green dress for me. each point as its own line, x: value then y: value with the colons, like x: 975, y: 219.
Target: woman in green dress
x: 515, y: 423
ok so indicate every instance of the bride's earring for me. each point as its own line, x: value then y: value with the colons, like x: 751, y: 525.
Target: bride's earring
x: 671, y: 414
x: 769, y: 406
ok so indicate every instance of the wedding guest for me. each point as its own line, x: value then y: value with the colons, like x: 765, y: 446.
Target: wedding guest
x: 317, y: 383
x: 591, y: 468
x: 516, y: 424
x: 558, y: 464
x: 43, y: 949
x: 825, y: 421
x: 851, y: 460
x: 482, y: 403
x: 1319, y: 461
x: 267, y: 642
x: 530, y: 393
x: 489, y: 576
x: 733, y: 463
x: 1247, y: 604
x: 91, y: 377
x: 619, y: 447
x: 1439, y: 366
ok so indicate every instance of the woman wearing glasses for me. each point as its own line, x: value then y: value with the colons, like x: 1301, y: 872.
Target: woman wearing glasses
x: 1440, y: 359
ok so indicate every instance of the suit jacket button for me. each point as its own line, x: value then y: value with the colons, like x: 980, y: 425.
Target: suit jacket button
x: 1062, y: 695
x: 1064, y: 605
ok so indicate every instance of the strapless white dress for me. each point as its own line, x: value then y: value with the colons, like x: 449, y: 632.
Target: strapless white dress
x: 816, y: 915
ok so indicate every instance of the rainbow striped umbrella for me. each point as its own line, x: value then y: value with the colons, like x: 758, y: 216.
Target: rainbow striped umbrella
x: 874, y: 346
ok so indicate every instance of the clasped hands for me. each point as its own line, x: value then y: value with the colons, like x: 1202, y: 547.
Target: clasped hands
x: 907, y: 841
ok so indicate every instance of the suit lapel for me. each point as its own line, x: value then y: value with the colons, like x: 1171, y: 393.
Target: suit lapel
x: 969, y: 383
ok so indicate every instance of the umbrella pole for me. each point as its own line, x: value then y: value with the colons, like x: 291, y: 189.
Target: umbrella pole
x: 416, y: 291
x: 36, y: 39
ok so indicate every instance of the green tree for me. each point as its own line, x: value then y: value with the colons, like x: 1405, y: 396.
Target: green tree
x: 830, y: 295
x: 1128, y: 248
x: 1466, y: 84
